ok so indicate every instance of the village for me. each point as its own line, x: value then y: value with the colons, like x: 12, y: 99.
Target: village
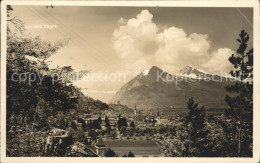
x: 122, y: 133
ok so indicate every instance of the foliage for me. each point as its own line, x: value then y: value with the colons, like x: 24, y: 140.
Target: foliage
x: 130, y: 131
x: 122, y: 122
x: 130, y: 154
x: 39, y: 98
x: 78, y: 135
x: 132, y: 124
x: 113, y: 134
x: 197, y: 133
x: 99, y: 120
x: 110, y: 153
x: 24, y: 143
x: 93, y: 134
x: 240, y: 99
x: 95, y: 124
x: 123, y: 130
x: 84, y: 126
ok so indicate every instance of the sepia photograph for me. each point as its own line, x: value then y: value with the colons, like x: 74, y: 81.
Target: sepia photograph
x: 128, y: 81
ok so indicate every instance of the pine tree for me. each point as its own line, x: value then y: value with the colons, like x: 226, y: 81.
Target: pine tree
x: 130, y: 154
x: 121, y: 122
x: 197, y: 135
x: 110, y: 153
x: 240, y: 99
x: 84, y: 126
x: 108, y: 126
x: 107, y: 122
x: 99, y: 120
x: 132, y: 124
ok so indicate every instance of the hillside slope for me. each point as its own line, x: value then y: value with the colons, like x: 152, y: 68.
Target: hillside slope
x: 159, y: 89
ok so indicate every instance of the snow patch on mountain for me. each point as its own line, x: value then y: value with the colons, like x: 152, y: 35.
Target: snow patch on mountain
x: 202, y: 71
x: 145, y: 72
x: 191, y: 72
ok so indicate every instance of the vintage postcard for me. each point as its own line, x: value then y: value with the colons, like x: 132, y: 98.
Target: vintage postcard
x: 158, y: 81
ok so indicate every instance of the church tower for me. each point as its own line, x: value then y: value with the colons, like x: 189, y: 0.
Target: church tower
x: 158, y: 119
x: 135, y: 114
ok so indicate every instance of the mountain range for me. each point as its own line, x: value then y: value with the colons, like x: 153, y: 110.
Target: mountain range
x: 159, y: 89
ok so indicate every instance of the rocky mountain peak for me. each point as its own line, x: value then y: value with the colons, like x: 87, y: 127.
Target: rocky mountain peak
x: 155, y: 70
x: 147, y: 91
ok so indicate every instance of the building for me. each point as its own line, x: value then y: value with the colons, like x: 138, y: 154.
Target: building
x: 113, y: 121
x: 87, y: 116
x: 100, y: 147
x: 164, y: 121
x: 158, y: 118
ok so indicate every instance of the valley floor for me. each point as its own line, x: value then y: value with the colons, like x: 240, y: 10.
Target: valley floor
x: 141, y: 148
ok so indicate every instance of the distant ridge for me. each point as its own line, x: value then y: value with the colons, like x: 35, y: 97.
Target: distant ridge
x: 151, y: 91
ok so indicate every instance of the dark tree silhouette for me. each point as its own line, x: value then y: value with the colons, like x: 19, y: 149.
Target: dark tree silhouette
x: 108, y: 126
x: 84, y: 126
x: 110, y: 153
x: 122, y: 122
x: 113, y: 134
x: 74, y: 125
x: 96, y: 124
x: 240, y: 99
x: 100, y: 120
x: 197, y: 135
x: 130, y: 154
x: 107, y: 122
x: 132, y: 124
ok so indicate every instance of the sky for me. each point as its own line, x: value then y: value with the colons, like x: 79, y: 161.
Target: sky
x: 117, y: 43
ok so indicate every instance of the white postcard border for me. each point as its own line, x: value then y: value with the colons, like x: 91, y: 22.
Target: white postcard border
x: 236, y: 3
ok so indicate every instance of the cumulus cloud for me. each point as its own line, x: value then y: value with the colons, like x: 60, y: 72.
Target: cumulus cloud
x: 141, y: 44
x: 219, y: 61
